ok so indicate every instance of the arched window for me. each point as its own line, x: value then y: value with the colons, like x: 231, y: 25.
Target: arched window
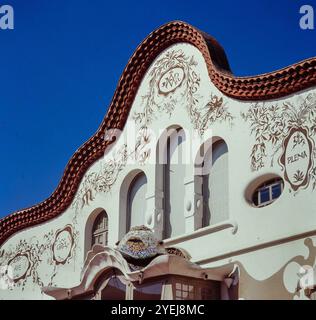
x: 215, y: 184
x: 136, y: 201
x: 100, y: 229
x: 170, y: 175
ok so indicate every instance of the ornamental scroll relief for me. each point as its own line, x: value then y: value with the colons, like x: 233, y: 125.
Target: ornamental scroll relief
x: 38, y: 260
x: 290, y: 131
x: 101, y: 181
x: 173, y: 80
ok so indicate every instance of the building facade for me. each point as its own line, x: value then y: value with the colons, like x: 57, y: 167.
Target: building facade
x: 197, y: 185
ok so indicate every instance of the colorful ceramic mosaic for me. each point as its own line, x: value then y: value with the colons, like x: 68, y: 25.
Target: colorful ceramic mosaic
x: 140, y: 243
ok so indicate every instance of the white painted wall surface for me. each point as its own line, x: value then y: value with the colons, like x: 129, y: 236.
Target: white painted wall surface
x: 291, y: 217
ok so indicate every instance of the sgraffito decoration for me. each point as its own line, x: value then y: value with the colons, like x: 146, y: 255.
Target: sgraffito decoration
x: 277, y: 84
x: 28, y: 259
x: 174, y: 80
x: 170, y: 80
x: 289, y: 131
x: 63, y: 245
x: 102, y: 180
x: 19, y: 266
x: 168, y: 85
x: 23, y: 260
x: 296, y: 158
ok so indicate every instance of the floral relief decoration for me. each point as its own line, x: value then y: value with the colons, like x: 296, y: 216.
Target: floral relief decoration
x: 173, y: 79
x: 34, y: 260
x: 272, y: 124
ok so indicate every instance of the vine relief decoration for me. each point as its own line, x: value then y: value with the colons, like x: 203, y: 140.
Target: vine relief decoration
x: 173, y: 80
x: 297, y: 159
x: 289, y: 130
x: 38, y: 260
x: 101, y: 181
x: 63, y: 245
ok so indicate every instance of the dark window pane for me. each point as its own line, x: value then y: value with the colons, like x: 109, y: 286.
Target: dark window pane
x: 148, y: 291
x: 276, y: 191
x: 267, y: 192
x: 212, y: 292
x: 264, y: 195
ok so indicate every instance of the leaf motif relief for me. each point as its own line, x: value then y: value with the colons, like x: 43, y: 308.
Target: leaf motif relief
x: 154, y: 102
x: 35, y: 252
x: 103, y: 180
x: 298, y: 176
x: 183, y: 89
x: 270, y: 125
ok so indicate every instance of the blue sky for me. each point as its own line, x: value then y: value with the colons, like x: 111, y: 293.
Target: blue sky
x: 60, y: 65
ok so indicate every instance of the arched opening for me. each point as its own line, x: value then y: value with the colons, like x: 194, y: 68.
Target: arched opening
x: 100, y: 229
x: 133, y: 203
x: 170, y: 172
x: 97, y: 227
x: 213, y: 178
x: 136, y: 201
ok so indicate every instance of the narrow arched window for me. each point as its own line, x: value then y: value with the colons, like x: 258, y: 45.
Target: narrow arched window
x: 171, y: 154
x: 100, y: 229
x: 136, y: 201
x: 174, y: 189
x: 215, y: 184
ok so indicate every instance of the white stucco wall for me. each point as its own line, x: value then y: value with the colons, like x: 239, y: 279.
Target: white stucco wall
x: 193, y: 103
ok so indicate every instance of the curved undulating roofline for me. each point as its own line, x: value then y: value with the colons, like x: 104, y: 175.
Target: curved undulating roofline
x: 276, y: 84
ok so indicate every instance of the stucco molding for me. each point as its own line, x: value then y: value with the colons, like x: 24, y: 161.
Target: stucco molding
x: 229, y: 224
x: 102, y: 259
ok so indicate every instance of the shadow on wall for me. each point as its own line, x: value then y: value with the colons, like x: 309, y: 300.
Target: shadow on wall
x: 170, y: 173
x: 278, y: 286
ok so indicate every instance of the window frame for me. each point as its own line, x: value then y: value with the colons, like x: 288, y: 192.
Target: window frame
x: 100, y: 231
x: 256, y: 197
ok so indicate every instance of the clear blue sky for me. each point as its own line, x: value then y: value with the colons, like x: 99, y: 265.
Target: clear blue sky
x: 60, y: 65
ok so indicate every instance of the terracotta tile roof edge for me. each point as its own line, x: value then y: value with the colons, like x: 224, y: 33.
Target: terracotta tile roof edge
x: 272, y: 85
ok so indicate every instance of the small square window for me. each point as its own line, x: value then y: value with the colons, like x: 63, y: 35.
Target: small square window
x: 184, y: 291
